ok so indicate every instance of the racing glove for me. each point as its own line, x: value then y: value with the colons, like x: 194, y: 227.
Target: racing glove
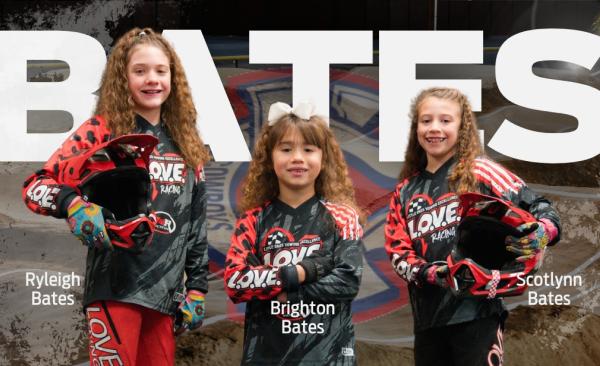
x: 317, y: 265
x: 436, y: 275
x: 535, y: 237
x: 190, y: 313
x: 87, y: 224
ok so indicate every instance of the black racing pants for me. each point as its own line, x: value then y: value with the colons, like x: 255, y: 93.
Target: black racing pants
x: 474, y: 343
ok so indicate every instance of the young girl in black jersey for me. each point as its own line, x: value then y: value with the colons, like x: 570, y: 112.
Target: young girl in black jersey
x: 295, y: 257
x: 131, y: 299
x: 444, y: 158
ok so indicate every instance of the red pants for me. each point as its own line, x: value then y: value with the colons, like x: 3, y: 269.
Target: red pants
x: 123, y: 334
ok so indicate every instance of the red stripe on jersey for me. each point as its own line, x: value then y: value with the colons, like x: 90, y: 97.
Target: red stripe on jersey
x: 501, y: 180
x: 346, y: 220
x: 486, y: 179
x: 504, y: 174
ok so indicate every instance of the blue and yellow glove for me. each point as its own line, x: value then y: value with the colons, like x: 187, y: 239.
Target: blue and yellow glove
x: 87, y: 224
x: 536, y: 236
x: 190, y: 313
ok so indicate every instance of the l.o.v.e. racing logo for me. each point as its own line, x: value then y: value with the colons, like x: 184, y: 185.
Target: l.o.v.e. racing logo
x: 436, y: 219
x: 168, y: 173
x: 279, y: 247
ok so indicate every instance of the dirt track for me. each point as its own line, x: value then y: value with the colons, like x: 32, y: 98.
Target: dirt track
x: 548, y: 336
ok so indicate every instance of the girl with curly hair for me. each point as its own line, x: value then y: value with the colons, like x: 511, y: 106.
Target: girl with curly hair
x: 295, y: 257
x: 131, y: 299
x: 444, y: 159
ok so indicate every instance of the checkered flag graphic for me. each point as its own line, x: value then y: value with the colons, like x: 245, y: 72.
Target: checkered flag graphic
x: 416, y: 205
x: 276, y: 238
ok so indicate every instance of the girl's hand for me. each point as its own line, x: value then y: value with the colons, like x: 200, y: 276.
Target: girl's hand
x: 309, y: 270
x: 87, y: 224
x: 437, y: 275
x: 190, y: 313
x: 301, y: 273
x: 316, y: 266
x: 282, y: 297
x: 534, y: 239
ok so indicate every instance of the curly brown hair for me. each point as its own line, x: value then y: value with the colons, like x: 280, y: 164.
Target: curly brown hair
x: 332, y: 184
x: 178, y: 112
x: 468, y: 147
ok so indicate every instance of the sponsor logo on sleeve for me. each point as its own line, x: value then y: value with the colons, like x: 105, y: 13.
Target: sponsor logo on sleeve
x: 165, y: 224
x: 43, y: 195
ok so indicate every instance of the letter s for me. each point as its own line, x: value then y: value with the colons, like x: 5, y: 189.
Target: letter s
x: 520, y: 280
x: 519, y: 85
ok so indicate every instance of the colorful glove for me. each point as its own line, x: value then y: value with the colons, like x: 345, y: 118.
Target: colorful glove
x: 536, y: 236
x: 437, y: 275
x: 190, y: 313
x: 87, y: 224
x: 317, y: 265
x: 539, y: 255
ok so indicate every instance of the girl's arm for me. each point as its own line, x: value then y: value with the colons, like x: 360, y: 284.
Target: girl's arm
x: 41, y: 192
x: 246, y: 278
x: 343, y: 282
x: 496, y: 180
x: 196, y: 262
x: 398, y: 245
x: 542, y: 209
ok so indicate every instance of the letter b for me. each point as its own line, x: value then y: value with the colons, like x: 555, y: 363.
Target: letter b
x: 85, y: 57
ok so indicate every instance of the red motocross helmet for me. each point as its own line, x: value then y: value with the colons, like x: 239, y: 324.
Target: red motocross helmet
x: 479, y: 263
x: 114, y: 175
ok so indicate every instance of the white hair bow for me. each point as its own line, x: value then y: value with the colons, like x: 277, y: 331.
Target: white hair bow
x: 304, y: 110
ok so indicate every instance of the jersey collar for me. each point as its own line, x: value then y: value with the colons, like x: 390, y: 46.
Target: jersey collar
x: 442, y: 170
x: 143, y: 124
x: 303, y: 208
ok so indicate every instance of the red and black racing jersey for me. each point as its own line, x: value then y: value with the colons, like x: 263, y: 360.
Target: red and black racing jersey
x: 154, y: 278
x: 421, y: 229
x: 276, y: 235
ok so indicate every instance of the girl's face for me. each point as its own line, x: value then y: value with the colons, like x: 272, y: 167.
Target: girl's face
x: 437, y: 128
x: 296, y: 164
x: 148, y: 78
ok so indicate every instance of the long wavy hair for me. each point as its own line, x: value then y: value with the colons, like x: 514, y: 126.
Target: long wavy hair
x: 461, y: 179
x: 178, y: 113
x: 332, y: 184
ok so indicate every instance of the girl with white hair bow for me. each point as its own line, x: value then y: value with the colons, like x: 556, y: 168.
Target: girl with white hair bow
x: 296, y: 252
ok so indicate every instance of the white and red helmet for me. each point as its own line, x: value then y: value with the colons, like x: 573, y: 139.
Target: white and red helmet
x: 114, y: 175
x: 479, y: 263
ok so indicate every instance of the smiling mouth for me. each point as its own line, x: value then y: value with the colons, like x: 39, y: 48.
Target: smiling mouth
x: 435, y: 140
x: 151, y: 91
x: 297, y: 171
